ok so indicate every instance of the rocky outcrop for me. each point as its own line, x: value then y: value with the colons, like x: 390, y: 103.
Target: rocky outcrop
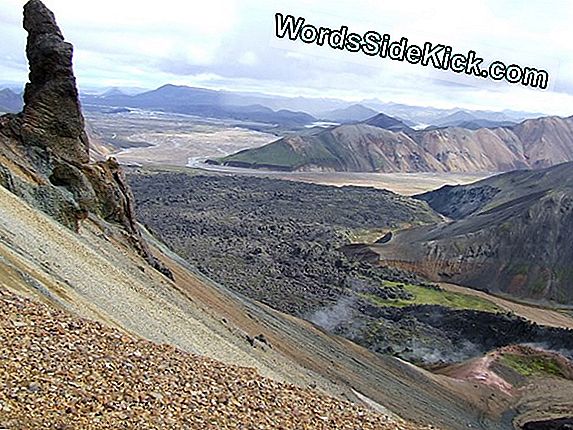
x: 44, y: 150
x: 52, y: 116
x: 565, y: 423
x: 458, y: 202
x: 418, y: 332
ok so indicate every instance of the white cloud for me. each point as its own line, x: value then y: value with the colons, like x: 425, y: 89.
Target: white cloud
x: 249, y: 58
x: 230, y: 44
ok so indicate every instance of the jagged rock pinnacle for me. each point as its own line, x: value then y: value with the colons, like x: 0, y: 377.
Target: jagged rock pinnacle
x: 44, y: 150
x: 52, y: 116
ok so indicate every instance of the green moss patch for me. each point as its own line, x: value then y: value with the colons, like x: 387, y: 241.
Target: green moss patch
x: 530, y: 366
x: 430, y: 296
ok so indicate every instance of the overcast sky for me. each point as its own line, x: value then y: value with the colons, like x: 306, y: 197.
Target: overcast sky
x: 229, y: 44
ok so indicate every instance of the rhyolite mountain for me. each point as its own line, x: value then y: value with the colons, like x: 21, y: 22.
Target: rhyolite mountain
x: 352, y: 147
x: 384, y: 144
x: 509, y: 234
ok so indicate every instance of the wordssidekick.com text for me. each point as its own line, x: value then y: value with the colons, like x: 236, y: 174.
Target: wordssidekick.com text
x: 440, y: 56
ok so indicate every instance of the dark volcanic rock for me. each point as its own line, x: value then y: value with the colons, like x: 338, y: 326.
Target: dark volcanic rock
x: 433, y: 333
x: 275, y: 241
x: 52, y: 116
x: 386, y: 238
x: 456, y: 202
x: 555, y: 424
x: 44, y: 150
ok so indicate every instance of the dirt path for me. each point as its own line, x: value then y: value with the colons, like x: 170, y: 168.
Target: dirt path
x: 542, y: 316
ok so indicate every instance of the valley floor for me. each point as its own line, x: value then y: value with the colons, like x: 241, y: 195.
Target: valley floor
x: 401, y: 183
x: 167, y: 139
x: 548, y: 317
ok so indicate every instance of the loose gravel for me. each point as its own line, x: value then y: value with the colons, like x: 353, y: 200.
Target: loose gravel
x: 61, y: 372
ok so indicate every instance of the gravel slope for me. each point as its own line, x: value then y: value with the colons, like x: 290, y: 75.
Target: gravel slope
x: 62, y: 372
x: 93, y: 275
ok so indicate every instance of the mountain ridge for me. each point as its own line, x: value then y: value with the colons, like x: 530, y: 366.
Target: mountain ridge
x: 318, y: 107
x: 534, y: 143
x: 508, y: 235
x: 352, y: 113
x: 202, y: 102
x: 10, y: 101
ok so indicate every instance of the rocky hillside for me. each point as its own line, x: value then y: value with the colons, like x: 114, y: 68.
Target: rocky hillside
x: 278, y: 242
x: 93, y: 275
x: 68, y: 238
x: 106, y: 379
x: 383, y: 144
x: 289, y: 245
x: 509, y: 234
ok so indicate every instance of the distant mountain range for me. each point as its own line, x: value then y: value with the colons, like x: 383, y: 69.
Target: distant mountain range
x: 509, y: 234
x: 476, y: 124
x: 229, y: 104
x: 427, y: 116
x: 352, y: 113
x: 199, y: 102
x: 458, y: 118
x: 385, y: 144
x: 10, y: 101
x: 328, y: 109
x: 473, y: 121
x: 388, y: 123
